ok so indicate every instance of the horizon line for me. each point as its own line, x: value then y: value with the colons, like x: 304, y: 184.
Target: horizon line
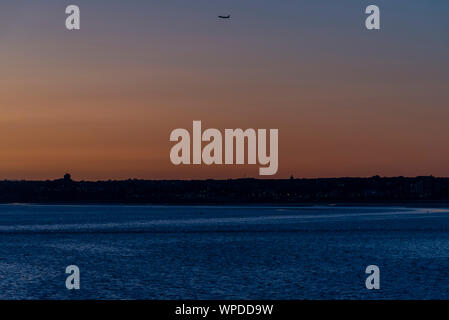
x: 228, y: 179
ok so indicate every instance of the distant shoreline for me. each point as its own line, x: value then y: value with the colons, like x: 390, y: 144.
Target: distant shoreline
x: 396, y: 191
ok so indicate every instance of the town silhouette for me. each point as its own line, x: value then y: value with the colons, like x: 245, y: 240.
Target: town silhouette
x: 233, y: 191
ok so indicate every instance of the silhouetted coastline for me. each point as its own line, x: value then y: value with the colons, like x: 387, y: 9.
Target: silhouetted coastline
x: 235, y: 191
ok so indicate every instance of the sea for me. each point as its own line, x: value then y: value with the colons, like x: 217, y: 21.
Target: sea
x: 223, y: 252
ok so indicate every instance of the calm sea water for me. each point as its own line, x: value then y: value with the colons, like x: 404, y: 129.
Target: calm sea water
x: 171, y: 252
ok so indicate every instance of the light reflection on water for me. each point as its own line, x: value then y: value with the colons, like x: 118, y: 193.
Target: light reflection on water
x: 163, y: 252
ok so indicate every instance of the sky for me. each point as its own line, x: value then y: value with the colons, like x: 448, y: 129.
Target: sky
x: 101, y: 102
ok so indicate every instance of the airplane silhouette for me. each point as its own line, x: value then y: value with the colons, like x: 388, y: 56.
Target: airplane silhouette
x: 225, y: 17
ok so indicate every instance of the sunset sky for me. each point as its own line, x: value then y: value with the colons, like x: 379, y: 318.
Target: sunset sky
x: 101, y: 102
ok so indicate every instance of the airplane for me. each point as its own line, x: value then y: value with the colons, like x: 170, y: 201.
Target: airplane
x: 225, y: 17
